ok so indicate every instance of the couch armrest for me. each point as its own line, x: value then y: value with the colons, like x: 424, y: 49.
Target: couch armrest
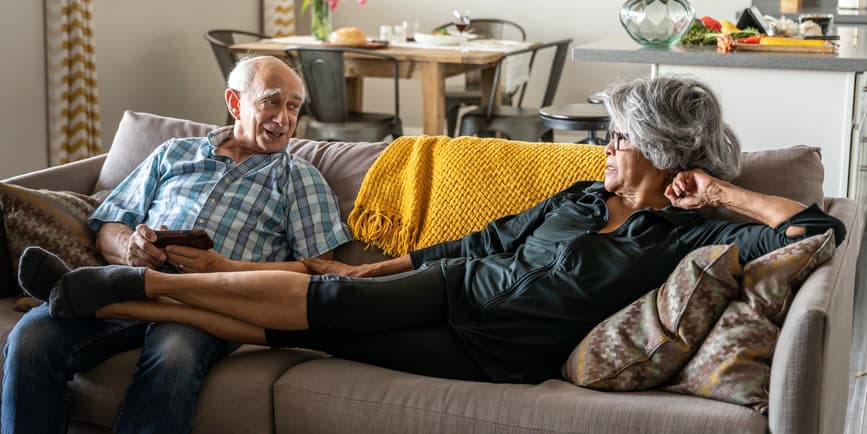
x: 810, y: 370
x: 78, y: 176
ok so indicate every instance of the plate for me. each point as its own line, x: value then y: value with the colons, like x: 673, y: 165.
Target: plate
x: 432, y: 39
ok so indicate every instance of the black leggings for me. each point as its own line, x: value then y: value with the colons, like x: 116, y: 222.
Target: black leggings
x: 397, y: 322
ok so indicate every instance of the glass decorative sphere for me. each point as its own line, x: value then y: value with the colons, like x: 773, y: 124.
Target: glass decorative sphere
x: 656, y: 22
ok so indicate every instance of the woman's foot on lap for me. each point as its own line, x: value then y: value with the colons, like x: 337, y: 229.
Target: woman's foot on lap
x: 81, y: 292
x: 38, y: 272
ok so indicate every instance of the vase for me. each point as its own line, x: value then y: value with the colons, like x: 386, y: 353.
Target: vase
x: 320, y: 19
x: 656, y: 22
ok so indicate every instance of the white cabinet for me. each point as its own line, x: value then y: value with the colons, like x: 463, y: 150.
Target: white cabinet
x: 774, y: 108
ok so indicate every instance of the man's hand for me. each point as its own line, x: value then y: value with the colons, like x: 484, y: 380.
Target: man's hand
x: 327, y: 266
x: 140, y: 250
x: 694, y: 189
x: 192, y: 260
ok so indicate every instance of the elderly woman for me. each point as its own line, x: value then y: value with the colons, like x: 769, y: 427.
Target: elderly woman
x: 507, y: 303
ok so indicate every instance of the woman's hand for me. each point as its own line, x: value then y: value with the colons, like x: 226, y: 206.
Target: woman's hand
x: 694, y: 189
x: 192, y: 260
x: 328, y: 266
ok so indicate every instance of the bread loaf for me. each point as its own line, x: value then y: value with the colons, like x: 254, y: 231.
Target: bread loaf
x: 352, y: 36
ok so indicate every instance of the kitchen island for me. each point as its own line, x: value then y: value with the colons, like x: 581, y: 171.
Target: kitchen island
x: 774, y: 100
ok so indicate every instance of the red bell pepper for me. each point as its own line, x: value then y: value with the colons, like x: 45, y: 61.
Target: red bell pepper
x: 750, y: 39
x: 711, y: 23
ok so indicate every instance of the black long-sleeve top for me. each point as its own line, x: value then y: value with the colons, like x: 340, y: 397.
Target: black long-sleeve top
x: 524, y: 290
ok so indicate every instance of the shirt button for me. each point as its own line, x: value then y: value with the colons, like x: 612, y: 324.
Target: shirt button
x: 201, y: 221
x: 212, y: 201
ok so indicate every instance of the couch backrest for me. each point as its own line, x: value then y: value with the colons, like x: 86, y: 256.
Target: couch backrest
x: 794, y: 172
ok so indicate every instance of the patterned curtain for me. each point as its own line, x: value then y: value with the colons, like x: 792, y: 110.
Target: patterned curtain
x: 278, y: 17
x: 73, y: 103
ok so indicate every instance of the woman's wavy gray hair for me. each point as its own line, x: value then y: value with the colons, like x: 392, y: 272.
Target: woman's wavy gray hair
x: 676, y: 123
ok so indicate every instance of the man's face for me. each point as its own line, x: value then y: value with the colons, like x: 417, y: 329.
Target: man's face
x: 268, y: 110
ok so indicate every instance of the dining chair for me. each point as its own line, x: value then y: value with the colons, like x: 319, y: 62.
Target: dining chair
x: 470, y: 93
x: 518, y: 122
x: 220, y: 41
x: 329, y: 117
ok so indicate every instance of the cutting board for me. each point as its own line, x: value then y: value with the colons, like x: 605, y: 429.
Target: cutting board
x: 824, y: 49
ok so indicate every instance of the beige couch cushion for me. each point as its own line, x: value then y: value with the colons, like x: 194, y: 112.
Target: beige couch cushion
x: 236, y: 393
x: 138, y: 134
x: 335, y: 396
x: 795, y: 172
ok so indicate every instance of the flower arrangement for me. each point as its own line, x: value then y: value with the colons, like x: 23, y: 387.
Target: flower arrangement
x: 320, y: 16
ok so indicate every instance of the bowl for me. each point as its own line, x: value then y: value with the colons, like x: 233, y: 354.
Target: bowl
x: 656, y: 22
x: 437, y: 39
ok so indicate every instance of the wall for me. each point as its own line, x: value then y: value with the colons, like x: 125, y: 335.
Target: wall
x: 22, y: 84
x: 151, y: 57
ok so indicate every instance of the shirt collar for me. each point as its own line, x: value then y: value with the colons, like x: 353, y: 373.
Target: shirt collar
x: 217, y: 137
x: 678, y: 216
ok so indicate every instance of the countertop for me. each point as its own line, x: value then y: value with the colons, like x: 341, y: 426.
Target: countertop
x: 852, y: 55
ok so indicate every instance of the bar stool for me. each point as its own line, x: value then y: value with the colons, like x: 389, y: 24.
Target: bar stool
x: 577, y: 117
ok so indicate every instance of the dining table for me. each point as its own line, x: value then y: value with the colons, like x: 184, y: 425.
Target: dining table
x: 432, y: 64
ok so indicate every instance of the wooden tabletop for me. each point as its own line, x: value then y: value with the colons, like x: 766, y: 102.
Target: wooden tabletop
x: 418, y: 54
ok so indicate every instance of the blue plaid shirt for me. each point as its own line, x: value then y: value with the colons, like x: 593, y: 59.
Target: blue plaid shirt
x: 270, y: 207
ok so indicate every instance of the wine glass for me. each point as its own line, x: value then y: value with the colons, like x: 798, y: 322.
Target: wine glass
x: 462, y: 22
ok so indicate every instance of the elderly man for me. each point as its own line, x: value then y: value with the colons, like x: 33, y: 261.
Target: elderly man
x: 263, y: 207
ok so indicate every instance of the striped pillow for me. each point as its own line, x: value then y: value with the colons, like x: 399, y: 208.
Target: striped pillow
x: 55, y: 221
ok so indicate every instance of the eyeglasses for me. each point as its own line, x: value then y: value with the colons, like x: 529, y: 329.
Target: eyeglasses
x: 618, y: 138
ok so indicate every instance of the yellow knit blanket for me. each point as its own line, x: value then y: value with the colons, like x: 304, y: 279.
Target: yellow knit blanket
x: 424, y: 190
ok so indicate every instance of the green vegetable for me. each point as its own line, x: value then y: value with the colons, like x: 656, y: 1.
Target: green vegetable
x: 699, y: 34
x: 442, y: 31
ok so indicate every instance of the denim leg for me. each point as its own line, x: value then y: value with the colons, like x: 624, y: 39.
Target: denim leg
x: 165, y: 387
x: 41, y: 356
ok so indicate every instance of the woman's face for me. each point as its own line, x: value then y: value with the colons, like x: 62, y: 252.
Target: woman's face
x: 626, y: 169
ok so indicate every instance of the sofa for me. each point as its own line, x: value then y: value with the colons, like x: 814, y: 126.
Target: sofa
x: 262, y: 390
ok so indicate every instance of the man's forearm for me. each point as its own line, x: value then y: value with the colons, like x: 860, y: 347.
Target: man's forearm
x: 112, y: 240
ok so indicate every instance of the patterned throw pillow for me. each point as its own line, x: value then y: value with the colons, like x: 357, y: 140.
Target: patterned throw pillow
x: 645, y: 343
x: 733, y: 363
x: 55, y: 221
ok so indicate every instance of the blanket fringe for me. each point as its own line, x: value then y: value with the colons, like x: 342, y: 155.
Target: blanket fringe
x: 382, y: 229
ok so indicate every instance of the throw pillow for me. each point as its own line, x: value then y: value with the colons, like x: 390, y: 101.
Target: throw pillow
x: 55, y: 221
x: 733, y: 363
x: 645, y: 343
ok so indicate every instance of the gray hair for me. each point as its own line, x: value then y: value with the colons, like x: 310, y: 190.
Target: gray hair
x: 676, y: 123
x: 244, y: 71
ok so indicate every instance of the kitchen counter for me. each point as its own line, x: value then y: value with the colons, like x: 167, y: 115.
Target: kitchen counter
x: 774, y: 100
x: 852, y: 55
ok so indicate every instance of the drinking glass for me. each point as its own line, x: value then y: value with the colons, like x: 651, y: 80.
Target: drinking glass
x: 462, y: 22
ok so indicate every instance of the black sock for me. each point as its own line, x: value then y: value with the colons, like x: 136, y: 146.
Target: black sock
x: 81, y: 292
x: 38, y: 271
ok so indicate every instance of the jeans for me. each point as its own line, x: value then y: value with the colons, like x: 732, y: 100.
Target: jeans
x: 43, y: 354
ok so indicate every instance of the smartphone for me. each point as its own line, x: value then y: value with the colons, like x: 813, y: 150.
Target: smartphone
x: 197, y: 238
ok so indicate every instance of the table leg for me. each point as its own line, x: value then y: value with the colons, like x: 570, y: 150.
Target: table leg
x: 487, y: 83
x: 433, y: 98
x: 355, y: 93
